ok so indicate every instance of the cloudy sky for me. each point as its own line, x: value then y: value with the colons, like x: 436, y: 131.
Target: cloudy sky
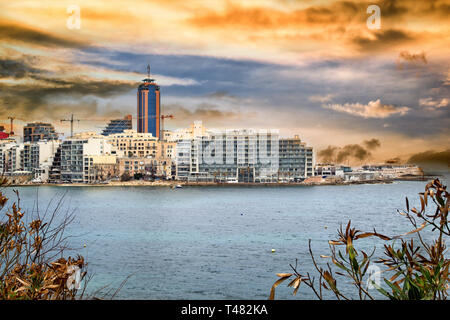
x: 312, y: 68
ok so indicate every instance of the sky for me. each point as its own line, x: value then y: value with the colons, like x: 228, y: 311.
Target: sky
x: 313, y: 68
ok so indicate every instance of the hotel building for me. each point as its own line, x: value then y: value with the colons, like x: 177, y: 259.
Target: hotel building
x: 243, y: 156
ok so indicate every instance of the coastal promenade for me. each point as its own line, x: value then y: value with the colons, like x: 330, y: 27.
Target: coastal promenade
x: 173, y: 183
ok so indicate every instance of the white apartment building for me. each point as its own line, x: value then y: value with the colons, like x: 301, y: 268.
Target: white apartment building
x: 37, y: 158
x: 7, y: 164
x: 237, y: 155
x: 74, y: 151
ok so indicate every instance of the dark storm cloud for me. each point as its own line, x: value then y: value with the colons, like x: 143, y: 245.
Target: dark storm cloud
x: 291, y: 87
x: 203, y: 111
x: 383, y: 39
x: 42, y: 95
x: 413, y: 60
x: 413, y: 57
x: 372, y: 144
x: 393, y: 8
x: 432, y: 157
x: 26, y: 100
x: 328, y: 154
x: 288, y: 90
x: 16, y: 69
x: 221, y: 94
x: 352, y: 151
x: 15, y: 33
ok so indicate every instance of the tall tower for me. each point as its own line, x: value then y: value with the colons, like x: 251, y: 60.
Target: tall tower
x: 149, y: 106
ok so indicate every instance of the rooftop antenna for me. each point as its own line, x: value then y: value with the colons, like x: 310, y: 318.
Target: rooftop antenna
x: 148, y: 71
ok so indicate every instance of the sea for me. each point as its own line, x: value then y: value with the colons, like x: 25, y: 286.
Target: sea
x: 217, y: 242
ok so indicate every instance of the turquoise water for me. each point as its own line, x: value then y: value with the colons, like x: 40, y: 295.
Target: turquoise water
x: 216, y: 242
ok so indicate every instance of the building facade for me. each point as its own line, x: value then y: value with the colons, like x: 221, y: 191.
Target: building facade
x: 243, y: 155
x: 147, y: 167
x: 38, y: 131
x: 8, y: 160
x: 134, y: 144
x: 118, y: 125
x: 37, y: 158
x: 296, y: 160
x: 100, y: 168
x: 73, y: 153
x: 238, y: 155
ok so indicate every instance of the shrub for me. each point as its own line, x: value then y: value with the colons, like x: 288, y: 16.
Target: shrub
x: 125, y: 176
x: 419, y: 270
x: 32, y: 265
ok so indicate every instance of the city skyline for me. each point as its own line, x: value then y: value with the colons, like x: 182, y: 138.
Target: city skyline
x: 311, y: 68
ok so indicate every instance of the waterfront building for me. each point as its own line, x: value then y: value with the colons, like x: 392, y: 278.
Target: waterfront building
x: 13, y: 156
x: 118, y: 126
x: 165, y: 156
x: 243, y: 155
x: 9, y: 156
x: 362, y: 175
x: 391, y: 171
x: 38, y: 131
x: 74, y: 151
x: 147, y: 167
x: 37, y: 158
x: 325, y: 169
x: 166, y: 149
x: 185, y: 159
x: 100, y: 168
x: 131, y: 143
x: 149, y: 107
x: 54, y: 175
x: 296, y: 160
x: 238, y: 155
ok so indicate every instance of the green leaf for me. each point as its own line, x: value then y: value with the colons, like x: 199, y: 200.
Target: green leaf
x: 381, y: 290
x: 396, y: 291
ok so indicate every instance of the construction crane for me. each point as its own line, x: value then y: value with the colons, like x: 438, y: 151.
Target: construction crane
x: 71, y: 120
x: 168, y: 116
x: 11, y: 131
x: 162, y: 117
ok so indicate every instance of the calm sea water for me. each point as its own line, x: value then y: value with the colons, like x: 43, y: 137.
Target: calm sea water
x: 216, y: 242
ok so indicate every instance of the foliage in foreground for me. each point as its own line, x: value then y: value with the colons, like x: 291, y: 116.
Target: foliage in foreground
x: 32, y: 265
x: 419, y: 269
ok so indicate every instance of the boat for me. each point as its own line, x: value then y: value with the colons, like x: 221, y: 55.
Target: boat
x: 178, y: 186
